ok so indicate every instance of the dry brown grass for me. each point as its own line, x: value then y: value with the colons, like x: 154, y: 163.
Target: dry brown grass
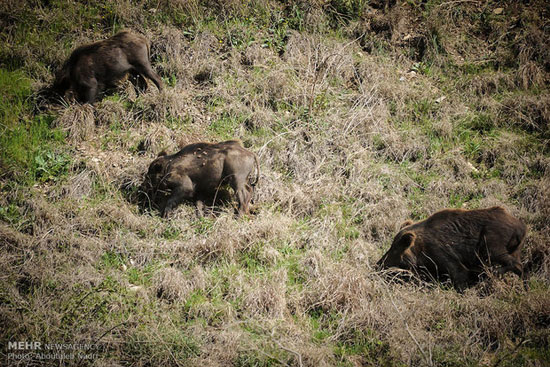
x: 528, y: 112
x: 530, y: 75
x: 78, y: 121
x: 171, y: 285
x: 347, y: 154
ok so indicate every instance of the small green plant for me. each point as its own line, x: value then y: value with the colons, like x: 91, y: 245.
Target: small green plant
x: 423, y: 110
x: 225, y: 127
x: 111, y: 259
x: 203, y: 225
x: 141, y: 275
x: 170, y: 80
x: 346, y: 10
x: 171, y: 232
x: 277, y: 35
x: 421, y: 68
x: 10, y: 214
x: 51, y: 166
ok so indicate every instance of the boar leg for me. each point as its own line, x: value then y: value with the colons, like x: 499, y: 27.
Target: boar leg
x: 460, y: 281
x: 507, y: 256
x: 243, y: 195
x: 250, y: 191
x: 148, y: 72
x: 524, y: 273
x: 442, y: 262
x: 459, y: 275
x: 87, y: 91
x: 199, y: 205
x: 509, y: 263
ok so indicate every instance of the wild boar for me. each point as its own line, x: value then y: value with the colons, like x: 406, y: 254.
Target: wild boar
x: 457, y: 244
x: 197, y: 171
x: 93, y: 67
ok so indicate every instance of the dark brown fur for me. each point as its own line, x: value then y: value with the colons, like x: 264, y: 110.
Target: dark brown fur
x: 198, y: 171
x: 93, y: 67
x: 458, y: 243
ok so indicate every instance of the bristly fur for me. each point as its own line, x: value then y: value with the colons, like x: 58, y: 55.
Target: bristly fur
x: 199, y: 170
x: 91, y: 68
x: 458, y: 243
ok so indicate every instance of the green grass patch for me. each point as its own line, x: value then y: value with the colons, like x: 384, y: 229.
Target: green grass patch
x: 15, y: 90
x: 195, y: 299
x: 225, y: 127
x: 166, y: 343
x: 291, y: 262
x: 256, y: 358
x: 142, y: 276
x: 252, y: 260
x: 32, y: 151
x: 91, y: 304
x: 348, y: 221
x: 31, y: 148
x: 171, y: 232
x: 366, y: 346
x: 205, y: 310
x: 10, y: 214
x: 457, y: 199
x: 203, y: 225
x: 321, y: 324
x: 112, y: 260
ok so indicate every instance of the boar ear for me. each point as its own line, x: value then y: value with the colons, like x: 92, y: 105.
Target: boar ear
x: 161, y: 154
x: 408, y: 222
x: 406, y: 240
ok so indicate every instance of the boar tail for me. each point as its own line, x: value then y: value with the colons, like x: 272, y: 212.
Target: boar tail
x: 257, y: 171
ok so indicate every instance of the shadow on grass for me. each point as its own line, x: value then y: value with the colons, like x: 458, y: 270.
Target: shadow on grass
x: 151, y: 203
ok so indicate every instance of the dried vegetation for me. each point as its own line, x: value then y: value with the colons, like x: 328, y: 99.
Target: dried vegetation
x: 363, y: 114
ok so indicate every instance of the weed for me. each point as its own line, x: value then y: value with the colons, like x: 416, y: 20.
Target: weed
x: 10, y: 214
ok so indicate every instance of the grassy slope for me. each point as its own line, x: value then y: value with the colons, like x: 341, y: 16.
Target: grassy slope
x: 363, y: 116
